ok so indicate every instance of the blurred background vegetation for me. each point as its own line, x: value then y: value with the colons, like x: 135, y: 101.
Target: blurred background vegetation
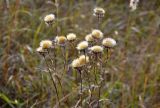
x: 134, y: 66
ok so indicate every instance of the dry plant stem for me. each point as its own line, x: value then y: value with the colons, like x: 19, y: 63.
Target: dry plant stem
x: 99, y: 21
x: 59, y: 80
x: 89, y: 84
x: 57, y: 13
x: 51, y: 59
x: 63, y: 50
x: 61, y: 87
x: 88, y: 78
x: 41, y: 82
x: 54, y: 83
x: 99, y: 94
x: 95, y: 70
x: 81, y: 88
x: 55, y: 61
x: 101, y: 74
x: 107, y: 53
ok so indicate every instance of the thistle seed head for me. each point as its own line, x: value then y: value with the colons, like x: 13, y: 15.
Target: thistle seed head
x: 46, y: 44
x: 49, y: 19
x: 96, y: 49
x: 82, y: 45
x: 109, y: 42
x: 89, y: 38
x: 71, y: 37
x: 97, y: 34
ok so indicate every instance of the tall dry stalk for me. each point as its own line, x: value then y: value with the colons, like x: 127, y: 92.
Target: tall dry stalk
x: 54, y: 83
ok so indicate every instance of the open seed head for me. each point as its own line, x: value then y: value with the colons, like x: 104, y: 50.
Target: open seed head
x: 99, y: 12
x: 76, y: 63
x: 133, y: 4
x: 97, y: 34
x: 46, y: 44
x: 83, y: 60
x: 109, y: 42
x: 71, y: 37
x: 96, y: 49
x: 49, y: 18
x: 61, y: 40
x: 89, y: 38
x: 82, y: 45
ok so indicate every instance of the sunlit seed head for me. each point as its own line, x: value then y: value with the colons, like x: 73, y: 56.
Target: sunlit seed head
x: 83, y: 60
x: 71, y: 37
x: 49, y: 18
x: 89, y: 38
x: 76, y: 63
x: 46, y: 44
x: 82, y: 45
x: 97, y: 34
x: 61, y: 40
x: 109, y: 42
x: 99, y: 12
x: 133, y: 4
x: 96, y: 49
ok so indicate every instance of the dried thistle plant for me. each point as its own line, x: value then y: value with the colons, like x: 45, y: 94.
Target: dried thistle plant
x: 89, y: 60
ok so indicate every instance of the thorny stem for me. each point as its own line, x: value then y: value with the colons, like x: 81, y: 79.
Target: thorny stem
x: 54, y: 83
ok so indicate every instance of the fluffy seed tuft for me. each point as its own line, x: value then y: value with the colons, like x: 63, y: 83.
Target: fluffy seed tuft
x: 79, y: 62
x: 46, y: 44
x: 61, y: 40
x: 49, y: 18
x: 133, y: 4
x: 97, y: 34
x: 71, y: 37
x: 89, y: 38
x: 99, y: 12
x: 96, y: 49
x: 82, y: 45
x: 109, y: 42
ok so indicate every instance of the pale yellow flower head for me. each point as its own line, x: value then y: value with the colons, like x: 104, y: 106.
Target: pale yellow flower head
x: 82, y: 45
x: 97, y: 34
x: 71, y: 37
x: 49, y: 18
x: 79, y: 62
x: 61, y: 40
x: 89, y: 38
x: 109, y: 42
x: 96, y: 49
x: 45, y: 44
x: 76, y: 63
x: 83, y: 60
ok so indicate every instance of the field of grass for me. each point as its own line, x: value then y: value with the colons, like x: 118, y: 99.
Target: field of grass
x: 132, y: 72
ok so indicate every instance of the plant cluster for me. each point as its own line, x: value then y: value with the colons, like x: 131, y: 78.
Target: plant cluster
x: 92, y: 55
